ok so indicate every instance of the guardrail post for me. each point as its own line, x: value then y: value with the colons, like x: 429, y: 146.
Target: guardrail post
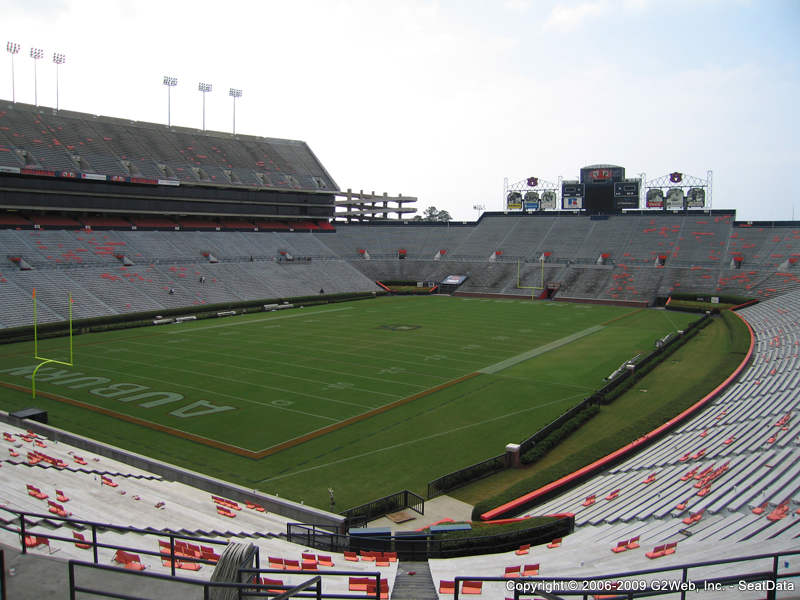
x: 772, y: 594
x: 71, y: 576
x: 455, y: 588
x: 172, y: 554
x: 684, y: 575
x: 94, y: 543
x: 2, y: 575
x: 22, y: 532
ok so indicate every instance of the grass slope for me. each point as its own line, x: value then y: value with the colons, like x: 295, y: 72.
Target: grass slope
x: 686, y: 376
x: 290, y: 373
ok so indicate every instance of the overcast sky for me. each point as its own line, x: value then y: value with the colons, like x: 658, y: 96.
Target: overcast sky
x: 442, y: 100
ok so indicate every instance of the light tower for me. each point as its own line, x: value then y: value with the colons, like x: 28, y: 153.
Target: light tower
x: 58, y: 59
x: 36, y: 54
x: 12, y: 48
x: 234, y: 93
x: 204, y: 87
x: 170, y: 82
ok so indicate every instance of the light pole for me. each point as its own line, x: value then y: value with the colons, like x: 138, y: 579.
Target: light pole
x: 204, y: 87
x: 234, y: 93
x: 12, y: 48
x: 36, y: 54
x: 58, y: 59
x: 170, y: 82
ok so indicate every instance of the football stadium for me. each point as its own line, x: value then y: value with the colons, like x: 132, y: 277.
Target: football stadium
x: 225, y: 376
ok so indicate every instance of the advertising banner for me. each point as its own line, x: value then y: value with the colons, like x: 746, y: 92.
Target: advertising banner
x: 675, y: 199
x: 548, y: 201
x: 531, y: 201
x: 696, y: 198
x: 514, y: 201
x: 655, y: 198
x: 94, y: 176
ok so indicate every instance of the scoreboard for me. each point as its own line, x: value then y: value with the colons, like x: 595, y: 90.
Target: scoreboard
x: 572, y: 189
x: 626, y: 194
x: 572, y: 195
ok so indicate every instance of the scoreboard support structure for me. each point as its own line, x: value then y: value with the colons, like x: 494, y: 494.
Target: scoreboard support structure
x: 603, y: 189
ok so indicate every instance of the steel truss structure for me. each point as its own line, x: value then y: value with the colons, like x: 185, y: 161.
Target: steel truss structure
x: 531, y: 185
x: 682, y: 181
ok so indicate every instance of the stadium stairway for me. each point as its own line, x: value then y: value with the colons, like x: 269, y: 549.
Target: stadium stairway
x: 414, y: 582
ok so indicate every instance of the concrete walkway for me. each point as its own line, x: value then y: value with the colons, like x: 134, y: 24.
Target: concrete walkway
x: 38, y: 576
x: 442, y: 507
x: 414, y: 582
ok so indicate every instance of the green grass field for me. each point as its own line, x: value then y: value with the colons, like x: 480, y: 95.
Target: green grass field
x: 272, y: 401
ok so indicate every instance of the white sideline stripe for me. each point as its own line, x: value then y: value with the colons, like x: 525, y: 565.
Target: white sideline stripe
x: 250, y: 321
x: 510, y: 362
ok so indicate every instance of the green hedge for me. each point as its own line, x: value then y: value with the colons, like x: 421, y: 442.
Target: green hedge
x: 205, y: 311
x: 399, y: 282
x: 739, y: 340
x: 643, y: 370
x: 491, y: 539
x: 696, y: 306
x: 554, y: 438
x: 706, y: 297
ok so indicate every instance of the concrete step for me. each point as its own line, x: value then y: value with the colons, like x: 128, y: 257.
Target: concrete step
x: 418, y: 586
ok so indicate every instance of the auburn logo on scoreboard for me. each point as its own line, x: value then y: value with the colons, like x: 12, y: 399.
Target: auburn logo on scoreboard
x: 601, y: 174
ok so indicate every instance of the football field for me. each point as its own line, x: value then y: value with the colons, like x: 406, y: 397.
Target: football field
x: 367, y: 397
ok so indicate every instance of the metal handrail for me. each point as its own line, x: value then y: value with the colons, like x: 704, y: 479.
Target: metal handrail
x: 538, y: 585
x: 260, y: 589
x: 95, y: 544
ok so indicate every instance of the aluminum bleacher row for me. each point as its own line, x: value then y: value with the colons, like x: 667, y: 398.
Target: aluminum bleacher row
x: 614, y: 258
x: 610, y: 259
x: 78, y: 485
x: 725, y: 483
x: 91, y: 266
x: 66, y: 141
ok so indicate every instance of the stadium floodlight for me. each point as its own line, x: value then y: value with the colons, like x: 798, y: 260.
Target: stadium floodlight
x: 204, y: 87
x: 234, y: 93
x: 58, y: 59
x: 12, y: 48
x: 170, y: 82
x: 36, y: 54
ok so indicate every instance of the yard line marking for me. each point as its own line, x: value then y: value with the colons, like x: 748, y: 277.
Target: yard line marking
x: 138, y: 421
x: 207, y: 391
x: 365, y: 415
x: 514, y: 360
x: 278, y: 374
x: 250, y: 321
x: 274, y: 361
x: 422, y: 439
